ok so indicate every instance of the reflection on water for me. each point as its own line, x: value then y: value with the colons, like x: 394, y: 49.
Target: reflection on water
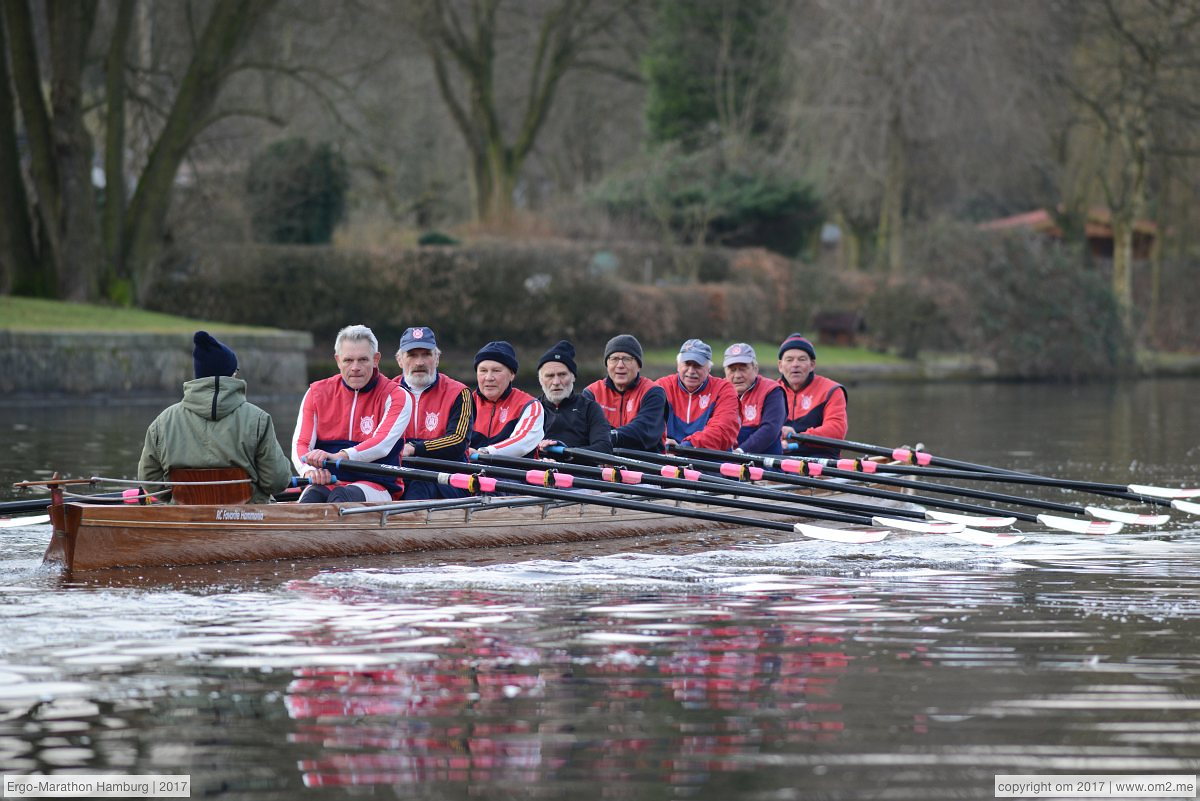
x: 916, y: 668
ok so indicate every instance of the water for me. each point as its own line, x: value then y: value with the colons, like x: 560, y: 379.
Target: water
x: 712, y: 667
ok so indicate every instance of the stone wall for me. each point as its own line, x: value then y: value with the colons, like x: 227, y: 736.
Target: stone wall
x: 84, y: 363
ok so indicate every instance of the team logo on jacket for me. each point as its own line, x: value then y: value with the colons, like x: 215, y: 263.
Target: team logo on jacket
x: 703, y: 402
x: 750, y: 412
x: 366, y: 423
x: 805, y: 402
x: 629, y: 405
x: 504, y: 415
x: 431, y: 421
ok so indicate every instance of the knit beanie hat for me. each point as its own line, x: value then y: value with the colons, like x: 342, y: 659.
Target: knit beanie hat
x: 498, y: 351
x: 210, y: 357
x: 798, y: 342
x: 624, y: 343
x: 563, y: 352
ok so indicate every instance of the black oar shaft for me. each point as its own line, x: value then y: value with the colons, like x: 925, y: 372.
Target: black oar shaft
x: 715, y: 484
x: 946, y: 489
x: 571, y: 495
x: 927, y: 459
x: 651, y: 492
x: 872, y: 492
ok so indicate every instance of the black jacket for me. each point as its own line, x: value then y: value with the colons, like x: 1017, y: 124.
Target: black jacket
x: 577, y: 422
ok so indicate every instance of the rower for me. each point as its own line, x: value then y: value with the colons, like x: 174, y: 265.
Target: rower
x: 760, y: 402
x: 440, y: 425
x: 358, y: 414
x: 702, y: 409
x: 214, y: 426
x: 815, y: 404
x: 572, y: 419
x: 508, y: 421
x: 635, y: 406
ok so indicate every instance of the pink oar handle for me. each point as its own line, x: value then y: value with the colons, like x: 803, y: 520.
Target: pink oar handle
x: 623, y: 476
x: 912, y: 457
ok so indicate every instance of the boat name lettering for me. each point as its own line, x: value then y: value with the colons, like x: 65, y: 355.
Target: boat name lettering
x: 238, y: 514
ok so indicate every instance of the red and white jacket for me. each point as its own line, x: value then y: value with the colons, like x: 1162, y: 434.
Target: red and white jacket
x: 367, y: 423
x: 512, y: 425
x: 706, y: 418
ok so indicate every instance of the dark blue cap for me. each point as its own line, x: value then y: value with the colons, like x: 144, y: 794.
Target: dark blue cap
x: 418, y: 337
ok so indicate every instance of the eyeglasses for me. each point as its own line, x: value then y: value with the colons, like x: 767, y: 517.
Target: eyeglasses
x: 621, y: 360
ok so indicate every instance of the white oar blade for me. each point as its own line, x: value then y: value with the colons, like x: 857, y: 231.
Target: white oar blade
x: 1080, y: 526
x: 1163, y: 492
x: 970, y: 520
x: 852, y: 536
x: 32, y: 520
x: 995, y: 539
x: 1128, y: 518
x: 1186, y: 506
x: 917, y: 525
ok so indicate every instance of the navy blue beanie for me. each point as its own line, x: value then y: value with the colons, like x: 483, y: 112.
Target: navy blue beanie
x: 798, y: 342
x: 210, y: 357
x: 498, y: 351
x: 562, y: 352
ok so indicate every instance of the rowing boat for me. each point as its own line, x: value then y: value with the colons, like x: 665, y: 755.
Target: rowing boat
x: 100, y: 536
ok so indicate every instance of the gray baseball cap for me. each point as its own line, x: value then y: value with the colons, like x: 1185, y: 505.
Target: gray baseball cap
x: 739, y: 353
x: 695, y: 350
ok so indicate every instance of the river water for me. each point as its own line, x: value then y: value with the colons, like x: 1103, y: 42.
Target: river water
x: 717, y: 667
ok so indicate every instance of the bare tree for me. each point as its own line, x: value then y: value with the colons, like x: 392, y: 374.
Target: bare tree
x: 469, y: 47
x: 903, y: 109
x: 56, y: 229
x: 1134, y: 77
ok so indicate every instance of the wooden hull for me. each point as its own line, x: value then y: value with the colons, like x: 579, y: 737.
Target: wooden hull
x: 96, y: 537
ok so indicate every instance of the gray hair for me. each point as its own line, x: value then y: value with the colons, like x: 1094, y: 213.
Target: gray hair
x: 355, y: 333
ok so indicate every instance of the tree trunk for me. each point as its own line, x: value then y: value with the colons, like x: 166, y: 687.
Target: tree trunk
x: 114, y: 154
x: 18, y: 253
x: 80, y: 255
x: 228, y: 26
x: 891, y: 215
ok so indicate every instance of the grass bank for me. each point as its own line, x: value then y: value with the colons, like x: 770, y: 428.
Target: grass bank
x: 36, y: 314
x: 768, y: 355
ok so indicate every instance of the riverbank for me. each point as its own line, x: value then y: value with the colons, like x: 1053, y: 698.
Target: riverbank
x: 48, y: 348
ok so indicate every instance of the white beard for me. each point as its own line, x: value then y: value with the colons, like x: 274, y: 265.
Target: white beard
x: 420, y: 381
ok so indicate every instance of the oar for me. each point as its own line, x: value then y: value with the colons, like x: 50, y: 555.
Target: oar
x: 873, y: 468
x: 1052, y: 521
x: 694, y: 480
x: 1136, y: 492
x: 815, y: 469
x: 547, y: 477
x: 712, y: 484
x: 474, y: 484
x: 989, y: 519
x: 27, y: 520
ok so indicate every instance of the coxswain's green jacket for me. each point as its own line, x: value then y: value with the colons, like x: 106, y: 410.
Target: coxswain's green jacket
x: 215, y: 426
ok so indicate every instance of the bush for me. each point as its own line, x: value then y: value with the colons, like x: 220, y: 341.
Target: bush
x: 297, y: 192
x: 468, y: 295
x: 700, y: 197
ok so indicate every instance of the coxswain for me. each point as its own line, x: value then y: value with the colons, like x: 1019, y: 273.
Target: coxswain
x: 215, y: 426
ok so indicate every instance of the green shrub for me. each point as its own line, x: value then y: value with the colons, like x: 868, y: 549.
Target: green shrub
x: 700, y: 197
x: 297, y: 192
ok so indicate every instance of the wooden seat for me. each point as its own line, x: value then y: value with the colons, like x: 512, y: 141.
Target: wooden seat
x: 210, y: 493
